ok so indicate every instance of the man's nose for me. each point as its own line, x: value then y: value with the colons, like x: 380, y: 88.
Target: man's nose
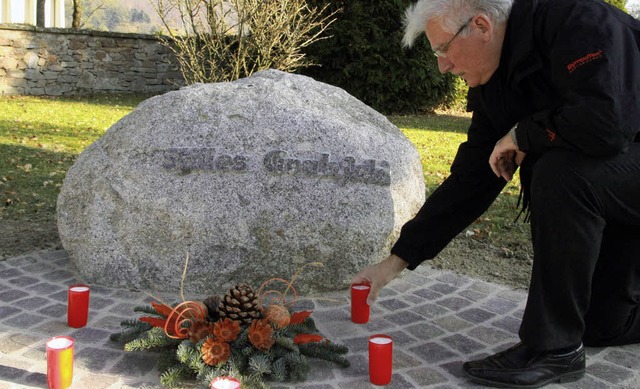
x: 444, y: 65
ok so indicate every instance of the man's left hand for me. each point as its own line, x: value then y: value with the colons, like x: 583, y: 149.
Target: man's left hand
x: 505, y: 158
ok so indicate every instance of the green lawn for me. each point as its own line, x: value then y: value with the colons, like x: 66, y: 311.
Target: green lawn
x: 39, y: 140
x: 437, y: 138
x: 41, y: 137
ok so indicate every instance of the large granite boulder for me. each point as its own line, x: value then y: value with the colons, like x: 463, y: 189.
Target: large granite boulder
x: 252, y: 179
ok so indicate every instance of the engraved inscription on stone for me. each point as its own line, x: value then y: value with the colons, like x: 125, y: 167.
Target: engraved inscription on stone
x: 279, y: 162
x: 347, y: 170
x: 187, y: 159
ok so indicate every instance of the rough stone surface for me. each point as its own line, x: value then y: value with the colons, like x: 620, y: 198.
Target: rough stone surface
x: 252, y: 179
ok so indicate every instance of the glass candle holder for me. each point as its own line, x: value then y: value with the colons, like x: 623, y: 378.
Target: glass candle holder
x: 225, y: 383
x: 78, y: 305
x: 360, y: 310
x: 59, y: 362
x: 380, y: 359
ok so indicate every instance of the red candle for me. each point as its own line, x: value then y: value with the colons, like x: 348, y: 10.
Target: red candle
x: 225, y: 383
x: 77, y: 305
x: 380, y: 359
x: 59, y: 362
x: 359, y: 308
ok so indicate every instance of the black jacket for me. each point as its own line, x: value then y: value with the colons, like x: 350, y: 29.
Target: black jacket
x: 569, y: 75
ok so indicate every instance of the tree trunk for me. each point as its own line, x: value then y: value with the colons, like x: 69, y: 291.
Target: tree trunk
x: 40, y: 13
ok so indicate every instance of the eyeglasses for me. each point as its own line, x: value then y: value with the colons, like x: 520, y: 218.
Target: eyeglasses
x: 441, y: 52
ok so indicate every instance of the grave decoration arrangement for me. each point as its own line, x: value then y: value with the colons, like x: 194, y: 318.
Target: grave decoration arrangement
x: 252, y: 336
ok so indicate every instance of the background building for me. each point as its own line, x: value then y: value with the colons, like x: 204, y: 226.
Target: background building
x: 24, y: 12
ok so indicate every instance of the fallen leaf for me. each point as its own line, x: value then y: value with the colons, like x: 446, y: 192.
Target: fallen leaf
x: 25, y: 168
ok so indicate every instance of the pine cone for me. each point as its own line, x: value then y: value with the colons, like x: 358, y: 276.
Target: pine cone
x: 240, y: 303
x: 212, y: 303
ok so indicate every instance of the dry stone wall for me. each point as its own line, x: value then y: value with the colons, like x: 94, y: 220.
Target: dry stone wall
x: 64, y: 62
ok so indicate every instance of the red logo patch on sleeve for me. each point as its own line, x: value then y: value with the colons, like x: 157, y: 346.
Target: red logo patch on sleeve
x: 584, y: 60
x: 551, y: 135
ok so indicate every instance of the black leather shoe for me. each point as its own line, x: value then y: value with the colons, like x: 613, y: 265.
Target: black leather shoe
x: 522, y: 367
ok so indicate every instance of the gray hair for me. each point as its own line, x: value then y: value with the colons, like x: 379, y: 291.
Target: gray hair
x: 453, y: 14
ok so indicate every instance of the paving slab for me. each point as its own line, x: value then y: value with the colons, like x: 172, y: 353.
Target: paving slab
x: 438, y: 320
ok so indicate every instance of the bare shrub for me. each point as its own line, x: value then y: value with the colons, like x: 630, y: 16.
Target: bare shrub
x: 223, y: 40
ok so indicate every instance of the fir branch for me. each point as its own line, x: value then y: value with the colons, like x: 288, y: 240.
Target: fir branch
x: 246, y: 351
x: 326, y: 351
x: 189, y: 354
x: 198, y: 365
x: 295, y: 329
x: 240, y: 360
x: 135, y: 323
x: 173, y: 376
x: 326, y: 345
x: 129, y: 334
x: 207, y: 371
x: 260, y: 364
x: 208, y: 375
x: 311, y: 325
x: 153, y: 339
x: 334, y: 347
x: 167, y: 360
x: 241, y: 350
x: 242, y: 339
x: 147, y: 309
x: 299, y: 366
x: 184, y: 349
x: 287, y: 343
x: 253, y: 381
x: 279, y: 370
x: 278, y: 351
x: 308, y: 326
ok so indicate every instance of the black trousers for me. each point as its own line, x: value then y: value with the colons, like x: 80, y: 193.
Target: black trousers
x: 585, y: 225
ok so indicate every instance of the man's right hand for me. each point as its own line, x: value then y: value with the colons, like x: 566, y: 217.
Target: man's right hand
x: 379, y: 275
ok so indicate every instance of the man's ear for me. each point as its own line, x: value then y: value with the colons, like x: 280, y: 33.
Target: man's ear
x: 483, y: 24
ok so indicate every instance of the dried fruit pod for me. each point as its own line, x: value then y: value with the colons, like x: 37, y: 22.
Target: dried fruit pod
x: 278, y: 315
x: 212, y: 303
